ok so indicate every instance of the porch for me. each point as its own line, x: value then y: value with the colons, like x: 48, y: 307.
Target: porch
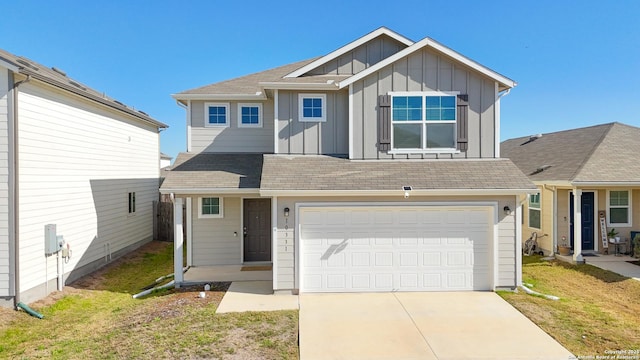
x: 227, y: 273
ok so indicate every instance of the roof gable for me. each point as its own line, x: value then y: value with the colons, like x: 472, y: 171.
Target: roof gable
x: 601, y: 153
x: 505, y: 83
x: 382, y: 31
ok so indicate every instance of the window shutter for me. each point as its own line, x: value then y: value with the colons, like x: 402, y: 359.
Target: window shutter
x: 462, y: 122
x: 384, y: 122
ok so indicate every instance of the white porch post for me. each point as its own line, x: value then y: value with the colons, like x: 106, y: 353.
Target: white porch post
x: 189, y: 233
x: 518, y: 227
x: 274, y: 242
x: 177, y: 241
x: 577, y: 226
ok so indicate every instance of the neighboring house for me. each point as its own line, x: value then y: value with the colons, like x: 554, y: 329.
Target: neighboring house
x: 373, y: 168
x: 74, y: 158
x: 165, y: 160
x: 600, y: 165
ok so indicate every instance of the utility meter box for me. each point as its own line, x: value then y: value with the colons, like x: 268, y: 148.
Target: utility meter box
x: 51, y: 244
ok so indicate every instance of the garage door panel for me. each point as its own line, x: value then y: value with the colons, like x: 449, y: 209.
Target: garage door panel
x: 395, y: 250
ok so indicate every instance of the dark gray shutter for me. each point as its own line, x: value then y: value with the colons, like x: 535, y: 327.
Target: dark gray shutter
x: 384, y: 122
x: 463, y: 122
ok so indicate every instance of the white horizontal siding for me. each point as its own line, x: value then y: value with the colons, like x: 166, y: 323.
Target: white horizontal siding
x: 78, y: 161
x: 214, y: 242
x: 4, y: 184
x: 507, y: 247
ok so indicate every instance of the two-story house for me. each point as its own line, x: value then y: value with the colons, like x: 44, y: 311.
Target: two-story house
x: 373, y: 168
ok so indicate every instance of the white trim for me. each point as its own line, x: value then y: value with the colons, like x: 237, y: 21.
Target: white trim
x: 241, y: 230
x: 623, y: 184
x: 350, y: 46
x: 239, y: 117
x: 350, y: 121
x: 219, y: 215
x: 301, y: 117
x: 276, y: 118
x: 518, y: 227
x: 539, y: 208
x: 213, y: 190
x: 399, y: 193
x: 493, y: 271
x: 177, y: 242
x: 596, y: 238
x: 428, y: 42
x: 185, y: 97
x: 189, y: 228
x: 629, y: 222
x: 274, y: 242
x: 189, y: 119
x: 9, y: 66
x: 328, y: 85
x: 226, y: 105
x: 496, y: 124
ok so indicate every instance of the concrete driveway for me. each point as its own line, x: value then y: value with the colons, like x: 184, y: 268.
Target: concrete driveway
x: 438, y: 325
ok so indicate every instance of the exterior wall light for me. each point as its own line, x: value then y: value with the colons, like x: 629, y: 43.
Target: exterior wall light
x: 507, y: 210
x: 286, y: 212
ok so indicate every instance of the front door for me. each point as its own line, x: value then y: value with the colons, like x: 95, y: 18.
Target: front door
x: 588, y: 221
x: 257, y: 230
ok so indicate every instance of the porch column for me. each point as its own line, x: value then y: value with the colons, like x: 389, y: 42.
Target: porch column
x: 577, y: 226
x: 177, y: 241
x: 189, y: 231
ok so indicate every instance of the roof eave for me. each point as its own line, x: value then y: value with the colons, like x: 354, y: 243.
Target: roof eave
x: 259, y: 95
x: 9, y: 65
x: 632, y: 183
x: 329, y: 85
x: 203, y: 190
x: 399, y: 192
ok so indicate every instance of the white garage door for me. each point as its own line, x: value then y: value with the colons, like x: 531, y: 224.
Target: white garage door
x: 366, y: 249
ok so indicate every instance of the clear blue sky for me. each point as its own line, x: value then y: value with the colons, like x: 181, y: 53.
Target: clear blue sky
x: 577, y: 63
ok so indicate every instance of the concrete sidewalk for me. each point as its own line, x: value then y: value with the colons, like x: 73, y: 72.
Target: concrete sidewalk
x: 439, y: 325
x: 255, y: 296
x: 618, y: 265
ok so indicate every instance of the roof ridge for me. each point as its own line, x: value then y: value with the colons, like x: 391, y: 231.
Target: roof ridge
x: 596, y: 145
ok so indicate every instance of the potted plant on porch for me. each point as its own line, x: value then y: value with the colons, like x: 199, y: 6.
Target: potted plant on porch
x: 611, y: 234
x: 563, y: 246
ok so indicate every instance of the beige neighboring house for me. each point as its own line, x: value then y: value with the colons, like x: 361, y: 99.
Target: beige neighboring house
x: 373, y: 168
x: 580, y: 173
x: 76, y: 159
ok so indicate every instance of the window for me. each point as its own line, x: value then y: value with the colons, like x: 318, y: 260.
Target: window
x: 423, y: 121
x: 216, y: 114
x: 249, y: 115
x: 210, y: 207
x: 534, y: 211
x: 619, y: 207
x: 312, y: 107
x: 132, y: 203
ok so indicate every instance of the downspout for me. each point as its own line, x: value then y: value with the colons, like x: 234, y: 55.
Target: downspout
x: 14, y: 179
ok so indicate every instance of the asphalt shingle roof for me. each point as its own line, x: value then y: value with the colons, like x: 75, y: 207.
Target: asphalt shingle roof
x: 207, y: 171
x: 601, y: 153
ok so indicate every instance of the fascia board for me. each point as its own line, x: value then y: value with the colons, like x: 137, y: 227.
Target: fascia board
x: 8, y: 65
x: 350, y: 46
x: 330, y: 85
x: 399, y: 192
x: 606, y: 183
x: 438, y: 47
x: 193, y: 191
x: 183, y: 97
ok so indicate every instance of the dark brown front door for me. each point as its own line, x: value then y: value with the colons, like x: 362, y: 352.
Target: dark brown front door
x: 257, y: 230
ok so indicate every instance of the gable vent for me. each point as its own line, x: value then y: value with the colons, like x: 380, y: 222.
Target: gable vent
x: 77, y: 85
x: 143, y: 113
x: 58, y: 71
x: 118, y: 102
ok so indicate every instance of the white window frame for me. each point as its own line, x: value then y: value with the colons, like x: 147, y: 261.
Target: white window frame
x: 301, y: 116
x: 207, y: 105
x: 240, y: 106
x: 538, y: 209
x: 219, y: 215
x: 629, y: 222
x: 424, y: 122
x: 131, y: 202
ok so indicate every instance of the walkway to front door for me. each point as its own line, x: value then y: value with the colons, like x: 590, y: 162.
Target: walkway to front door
x: 257, y: 229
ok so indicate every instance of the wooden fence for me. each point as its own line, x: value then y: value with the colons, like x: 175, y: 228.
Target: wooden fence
x: 163, y: 221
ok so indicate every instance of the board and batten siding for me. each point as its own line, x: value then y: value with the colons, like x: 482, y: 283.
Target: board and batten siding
x: 231, y: 139
x: 330, y: 137
x: 506, y: 227
x: 425, y: 71
x: 5, y: 249
x: 361, y: 57
x: 213, y: 240
x: 78, y: 162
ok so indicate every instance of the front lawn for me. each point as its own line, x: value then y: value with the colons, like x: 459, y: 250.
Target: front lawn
x: 96, y: 318
x: 598, y: 311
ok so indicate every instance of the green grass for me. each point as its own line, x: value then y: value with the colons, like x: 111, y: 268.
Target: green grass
x: 99, y: 319
x: 598, y: 310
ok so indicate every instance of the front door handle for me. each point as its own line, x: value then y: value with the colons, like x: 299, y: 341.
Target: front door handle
x: 244, y: 231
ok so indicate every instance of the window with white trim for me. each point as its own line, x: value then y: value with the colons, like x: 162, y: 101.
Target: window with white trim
x: 423, y: 121
x: 210, y: 207
x: 249, y: 115
x: 619, y: 207
x: 534, y: 211
x: 216, y: 114
x: 312, y: 107
x: 132, y: 203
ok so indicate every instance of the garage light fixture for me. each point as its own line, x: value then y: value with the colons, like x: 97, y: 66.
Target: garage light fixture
x: 507, y: 210
x: 406, y: 191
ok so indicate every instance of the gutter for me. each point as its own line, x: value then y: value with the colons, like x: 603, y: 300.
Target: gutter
x: 14, y: 185
x: 399, y: 192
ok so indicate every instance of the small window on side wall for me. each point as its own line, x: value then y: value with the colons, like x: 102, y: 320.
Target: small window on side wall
x: 534, y: 211
x: 249, y: 115
x: 216, y: 114
x: 132, y: 203
x: 312, y: 107
x: 210, y: 207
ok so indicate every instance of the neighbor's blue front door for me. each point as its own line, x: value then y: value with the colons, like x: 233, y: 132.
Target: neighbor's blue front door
x: 588, y: 221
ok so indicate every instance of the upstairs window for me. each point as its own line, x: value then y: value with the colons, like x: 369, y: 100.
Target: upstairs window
x: 534, y: 211
x: 216, y: 114
x: 312, y: 107
x: 619, y: 207
x: 423, y: 121
x: 249, y: 115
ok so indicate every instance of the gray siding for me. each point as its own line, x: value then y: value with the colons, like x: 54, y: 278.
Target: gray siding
x: 329, y: 137
x: 5, y: 264
x: 213, y: 240
x: 424, y: 71
x: 361, y: 57
x: 231, y: 139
